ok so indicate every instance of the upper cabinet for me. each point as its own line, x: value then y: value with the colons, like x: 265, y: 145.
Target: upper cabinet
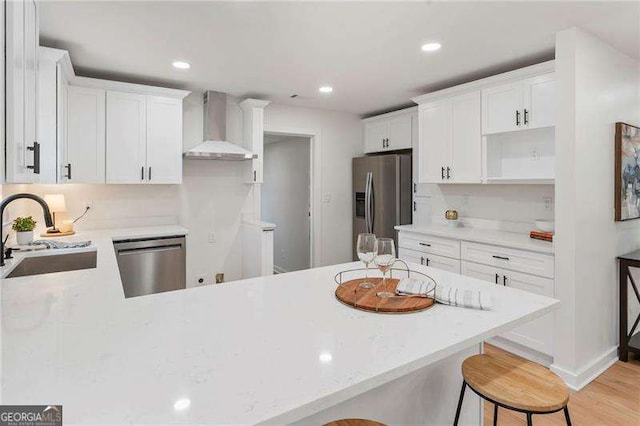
x: 84, y: 150
x: 496, y: 130
x: 390, y: 132
x: 450, y: 141
x: 164, y: 139
x: 518, y: 105
x: 22, y: 149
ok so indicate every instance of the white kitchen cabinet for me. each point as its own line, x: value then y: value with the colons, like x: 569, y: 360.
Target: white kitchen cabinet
x: 450, y: 140
x: 147, y: 131
x: 431, y: 260
x: 519, y: 105
x: 537, y: 334
x: 85, y: 145
x: 390, y: 132
x: 164, y: 140
x: 253, y: 136
x: 125, y: 137
x: 509, y: 258
x: 52, y: 110
x: 429, y: 244
x: 539, y: 101
x: 21, y: 83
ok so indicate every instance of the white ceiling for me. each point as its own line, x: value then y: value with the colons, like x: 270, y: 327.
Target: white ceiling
x: 369, y: 52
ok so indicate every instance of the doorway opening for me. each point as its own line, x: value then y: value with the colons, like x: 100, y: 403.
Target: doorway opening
x: 286, y: 199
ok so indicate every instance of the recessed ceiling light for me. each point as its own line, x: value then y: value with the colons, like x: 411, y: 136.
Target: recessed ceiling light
x: 182, y: 65
x: 325, y: 89
x: 182, y: 404
x: 431, y: 47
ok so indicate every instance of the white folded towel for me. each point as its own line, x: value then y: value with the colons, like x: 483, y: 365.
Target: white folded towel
x: 445, y: 294
x: 463, y: 297
x: 414, y: 287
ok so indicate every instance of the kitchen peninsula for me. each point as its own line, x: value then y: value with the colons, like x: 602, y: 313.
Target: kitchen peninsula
x: 277, y: 349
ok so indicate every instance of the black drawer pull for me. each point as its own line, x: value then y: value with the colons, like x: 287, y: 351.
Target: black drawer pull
x: 425, y: 244
x: 504, y: 280
x: 497, y: 277
x: 500, y: 257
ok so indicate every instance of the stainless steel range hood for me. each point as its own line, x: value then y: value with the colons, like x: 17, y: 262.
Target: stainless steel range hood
x: 215, y: 145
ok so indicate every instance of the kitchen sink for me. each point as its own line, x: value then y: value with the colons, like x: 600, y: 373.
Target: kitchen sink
x: 54, y: 263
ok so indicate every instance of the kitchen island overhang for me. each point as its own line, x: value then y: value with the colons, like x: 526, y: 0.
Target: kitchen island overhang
x: 272, y: 350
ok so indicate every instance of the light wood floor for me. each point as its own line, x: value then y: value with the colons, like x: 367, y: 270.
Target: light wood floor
x: 611, y: 399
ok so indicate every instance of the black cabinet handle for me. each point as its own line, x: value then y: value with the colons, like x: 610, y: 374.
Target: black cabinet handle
x: 425, y: 244
x: 68, y: 167
x: 517, y: 117
x: 149, y: 173
x: 442, y: 172
x: 415, y: 188
x: 255, y: 175
x: 448, y: 172
x: 421, y: 260
x: 504, y: 280
x: 497, y: 277
x: 526, y: 117
x: 427, y: 261
x: 415, y: 206
x: 142, y: 173
x: 500, y: 257
x: 36, y: 157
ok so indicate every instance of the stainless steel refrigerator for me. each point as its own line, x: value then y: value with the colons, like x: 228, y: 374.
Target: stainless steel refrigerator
x: 381, y: 194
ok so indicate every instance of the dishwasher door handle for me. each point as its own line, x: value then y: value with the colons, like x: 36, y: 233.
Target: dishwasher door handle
x: 142, y: 250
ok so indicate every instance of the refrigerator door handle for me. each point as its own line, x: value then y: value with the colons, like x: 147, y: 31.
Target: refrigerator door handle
x: 366, y: 203
x: 372, y: 218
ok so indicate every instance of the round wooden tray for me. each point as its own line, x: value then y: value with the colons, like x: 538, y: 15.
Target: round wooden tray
x: 366, y: 299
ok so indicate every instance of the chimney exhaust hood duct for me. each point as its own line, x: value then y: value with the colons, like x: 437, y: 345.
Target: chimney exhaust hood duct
x: 215, y: 145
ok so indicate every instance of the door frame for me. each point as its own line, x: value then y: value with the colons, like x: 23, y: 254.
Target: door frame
x: 315, y: 234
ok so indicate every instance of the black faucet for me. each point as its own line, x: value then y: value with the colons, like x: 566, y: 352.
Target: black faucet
x: 45, y: 208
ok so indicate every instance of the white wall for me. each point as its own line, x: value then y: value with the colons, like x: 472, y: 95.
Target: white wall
x: 285, y: 201
x: 597, y: 86
x: 340, y: 140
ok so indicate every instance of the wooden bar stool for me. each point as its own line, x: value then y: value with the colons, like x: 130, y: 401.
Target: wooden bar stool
x: 354, y: 422
x: 514, y: 383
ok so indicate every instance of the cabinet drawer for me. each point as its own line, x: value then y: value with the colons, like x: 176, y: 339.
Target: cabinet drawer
x: 512, y: 259
x: 428, y: 244
x: 432, y: 260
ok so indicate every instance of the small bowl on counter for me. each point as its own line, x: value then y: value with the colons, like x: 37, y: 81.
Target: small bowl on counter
x: 545, y: 225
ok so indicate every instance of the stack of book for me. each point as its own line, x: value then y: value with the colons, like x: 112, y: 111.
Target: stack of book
x: 539, y: 235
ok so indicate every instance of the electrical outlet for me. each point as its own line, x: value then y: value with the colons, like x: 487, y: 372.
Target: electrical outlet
x: 212, y: 238
x: 326, y: 197
x: 465, y: 200
x: 548, y: 201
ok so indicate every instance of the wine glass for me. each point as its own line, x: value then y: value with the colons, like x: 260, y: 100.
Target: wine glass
x: 367, y: 250
x: 385, y: 257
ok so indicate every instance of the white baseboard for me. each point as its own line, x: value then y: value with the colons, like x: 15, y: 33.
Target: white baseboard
x: 279, y: 270
x: 590, y: 372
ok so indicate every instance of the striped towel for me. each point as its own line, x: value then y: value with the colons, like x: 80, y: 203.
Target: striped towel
x: 414, y: 287
x: 465, y: 298
x: 57, y: 244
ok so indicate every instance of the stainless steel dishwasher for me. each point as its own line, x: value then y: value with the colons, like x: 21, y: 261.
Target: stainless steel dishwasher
x: 151, y: 265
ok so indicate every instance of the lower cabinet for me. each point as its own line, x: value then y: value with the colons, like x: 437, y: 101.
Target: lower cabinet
x: 537, y: 334
x: 427, y: 259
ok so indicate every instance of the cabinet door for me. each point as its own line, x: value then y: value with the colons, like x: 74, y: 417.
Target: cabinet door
x: 21, y: 52
x: 537, y: 334
x: 85, y: 151
x: 61, y: 143
x: 125, y: 138
x: 502, y: 108
x: 481, y: 272
x: 375, y: 133
x: 48, y: 117
x: 411, y: 256
x: 466, y: 152
x: 434, y: 138
x: 164, y: 140
x: 539, y: 101
x: 400, y: 132
x: 443, y: 263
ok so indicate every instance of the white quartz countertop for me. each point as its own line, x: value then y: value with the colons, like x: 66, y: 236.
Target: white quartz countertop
x: 488, y: 236
x: 264, y: 350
